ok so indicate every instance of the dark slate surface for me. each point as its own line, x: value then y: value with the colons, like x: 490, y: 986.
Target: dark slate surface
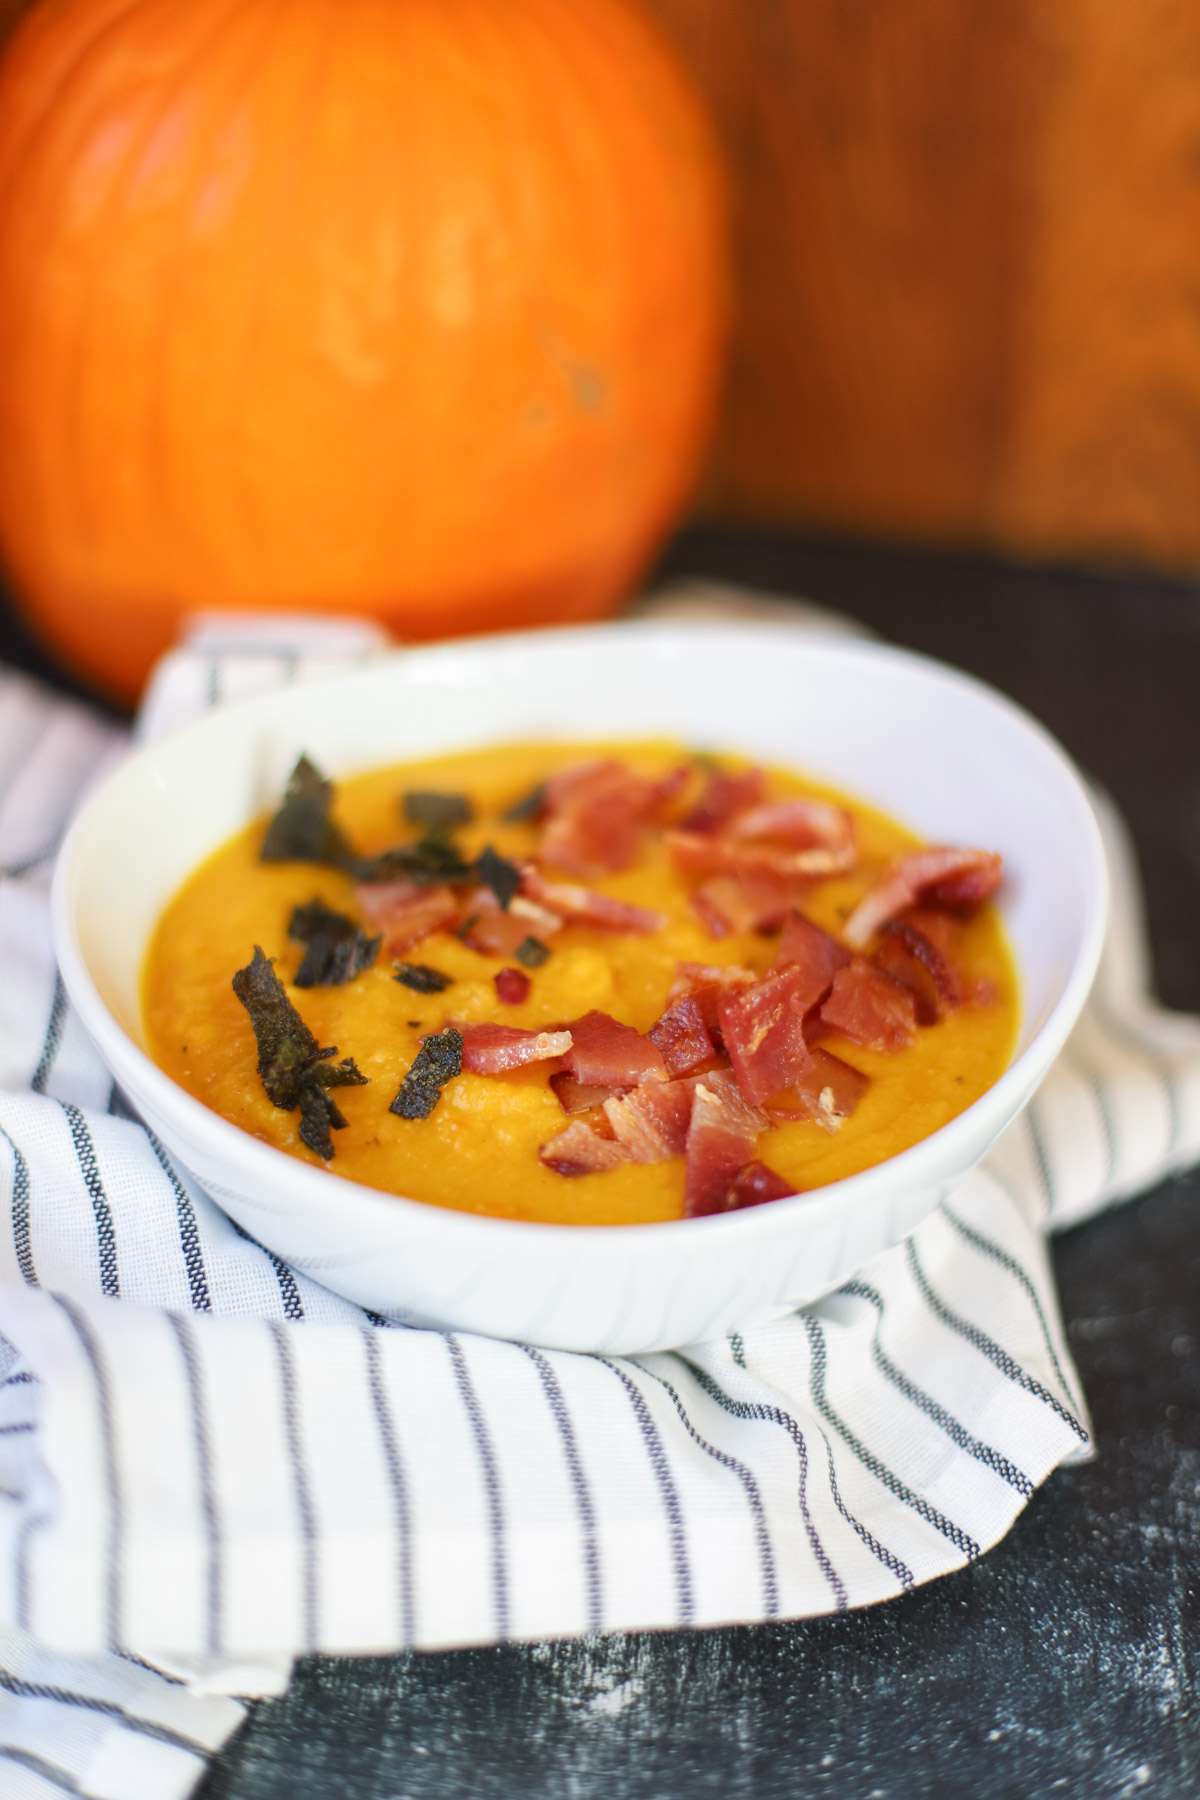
x: 1065, y: 1663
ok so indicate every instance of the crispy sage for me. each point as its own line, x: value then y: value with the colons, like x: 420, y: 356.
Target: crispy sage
x: 295, y: 1071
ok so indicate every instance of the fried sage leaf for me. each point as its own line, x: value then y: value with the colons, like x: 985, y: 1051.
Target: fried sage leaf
x: 438, y: 1061
x: 336, y: 948
x: 420, y: 977
x: 440, y: 812
x: 433, y: 861
x: 295, y: 1071
x: 529, y: 808
x: 502, y: 876
x: 302, y: 830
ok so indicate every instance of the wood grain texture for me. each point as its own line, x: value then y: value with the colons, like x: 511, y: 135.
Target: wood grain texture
x: 1103, y: 450
x: 969, y: 269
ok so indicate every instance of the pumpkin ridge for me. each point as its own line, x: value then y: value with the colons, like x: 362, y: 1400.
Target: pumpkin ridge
x: 74, y: 70
x: 286, y: 188
x: 72, y: 431
x: 222, y: 111
x: 377, y: 305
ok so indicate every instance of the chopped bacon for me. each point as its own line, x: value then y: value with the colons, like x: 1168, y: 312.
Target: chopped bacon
x: 693, y: 853
x: 826, y: 1093
x: 682, y: 1036
x: 910, y: 958
x: 725, y: 796
x: 605, y: 1053
x: 578, y: 1096
x: 493, y: 932
x: 708, y: 984
x: 595, y: 815
x: 802, y: 823
x: 405, y: 911
x: 759, y: 902
x: 755, y: 1184
x: 491, y: 1049
x: 512, y: 986
x: 652, y: 1121
x: 578, y: 1150
x: 805, y: 946
x: 869, y: 1008
x: 583, y: 907
x: 943, y: 929
x: 941, y: 876
x: 763, y: 1032
x: 720, y: 1142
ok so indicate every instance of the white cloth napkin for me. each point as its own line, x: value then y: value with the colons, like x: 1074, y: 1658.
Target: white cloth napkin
x: 210, y: 1464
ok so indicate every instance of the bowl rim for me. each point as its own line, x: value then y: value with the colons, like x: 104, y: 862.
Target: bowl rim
x: 263, y: 1161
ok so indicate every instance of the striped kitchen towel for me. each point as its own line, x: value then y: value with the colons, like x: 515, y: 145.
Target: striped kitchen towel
x: 209, y: 1464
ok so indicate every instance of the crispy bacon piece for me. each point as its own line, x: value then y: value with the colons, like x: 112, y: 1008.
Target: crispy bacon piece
x: 724, y: 797
x: 869, y: 1008
x: 652, y: 1121
x: 708, y: 984
x: 763, y: 1031
x: 578, y: 1096
x: 720, y: 1142
x: 806, y: 947
x: 512, y: 986
x: 605, y: 1053
x: 578, y: 1150
x: 406, y: 912
x: 755, y: 1184
x: 728, y: 903
x: 596, y: 814
x: 580, y: 906
x: 939, y: 876
x: 694, y: 853
x: 826, y: 1093
x: 801, y: 823
x: 682, y: 1037
x: 910, y: 958
x: 943, y: 929
x: 486, y: 927
x: 491, y: 1049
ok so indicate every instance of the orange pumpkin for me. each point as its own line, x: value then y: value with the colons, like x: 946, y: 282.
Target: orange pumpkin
x: 406, y: 307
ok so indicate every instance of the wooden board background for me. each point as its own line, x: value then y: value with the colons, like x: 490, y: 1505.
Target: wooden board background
x: 969, y: 269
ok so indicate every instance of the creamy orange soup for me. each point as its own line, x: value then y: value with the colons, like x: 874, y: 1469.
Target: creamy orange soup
x: 478, y: 1148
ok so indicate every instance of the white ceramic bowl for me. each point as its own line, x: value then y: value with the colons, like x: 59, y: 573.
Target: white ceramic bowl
x: 927, y: 745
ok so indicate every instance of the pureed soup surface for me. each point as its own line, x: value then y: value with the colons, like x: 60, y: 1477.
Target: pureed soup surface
x: 478, y: 1148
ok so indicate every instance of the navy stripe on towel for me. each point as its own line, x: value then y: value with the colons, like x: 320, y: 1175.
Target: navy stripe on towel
x: 85, y: 1152
x: 491, y: 1479
x: 685, y: 1598
x: 22, y: 1239
x: 189, y: 1230
x: 304, y: 1507
x: 892, y: 1482
x: 289, y: 1293
x: 753, y: 1496
x: 116, y: 1510
x: 955, y: 1430
x: 987, y: 1248
x: 774, y: 1415
x: 214, y: 1582
x: 1006, y: 1364
x: 399, y: 1487
x: 556, y: 1401
x: 53, y: 1037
